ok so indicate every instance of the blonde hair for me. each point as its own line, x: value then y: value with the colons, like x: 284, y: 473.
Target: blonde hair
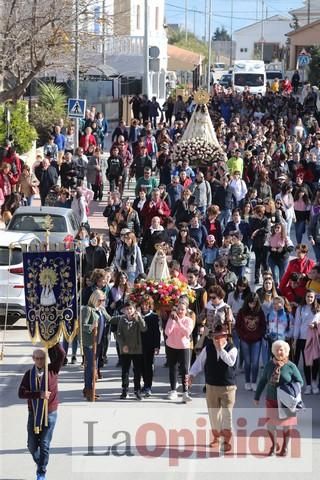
x: 94, y: 300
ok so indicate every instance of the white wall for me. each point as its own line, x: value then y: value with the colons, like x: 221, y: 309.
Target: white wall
x: 245, y: 38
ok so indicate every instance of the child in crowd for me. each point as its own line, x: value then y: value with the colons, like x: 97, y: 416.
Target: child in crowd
x: 225, y: 249
x: 130, y: 326
x: 238, y: 255
x: 210, y: 253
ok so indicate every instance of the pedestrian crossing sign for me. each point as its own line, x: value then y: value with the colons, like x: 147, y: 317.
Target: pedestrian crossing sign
x: 76, y: 108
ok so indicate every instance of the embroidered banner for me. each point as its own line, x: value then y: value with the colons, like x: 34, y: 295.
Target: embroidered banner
x: 50, y: 284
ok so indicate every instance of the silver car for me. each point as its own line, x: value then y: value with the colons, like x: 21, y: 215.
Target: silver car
x: 11, y: 271
x: 65, y: 226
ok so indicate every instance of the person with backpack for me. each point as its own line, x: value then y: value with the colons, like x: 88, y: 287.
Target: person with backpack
x: 238, y: 254
x: 115, y: 169
x: 202, y: 192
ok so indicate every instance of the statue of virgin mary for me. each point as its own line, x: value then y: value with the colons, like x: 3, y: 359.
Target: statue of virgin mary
x: 200, y: 124
x: 159, y: 270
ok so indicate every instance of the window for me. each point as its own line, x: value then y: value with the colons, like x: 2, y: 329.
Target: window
x: 16, y: 256
x: 157, y: 19
x: 35, y: 223
x: 97, y: 21
x: 138, y: 17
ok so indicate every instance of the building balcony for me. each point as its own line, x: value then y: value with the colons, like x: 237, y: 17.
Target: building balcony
x: 124, y: 45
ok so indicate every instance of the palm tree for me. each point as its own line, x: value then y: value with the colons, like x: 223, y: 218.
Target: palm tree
x: 52, y: 97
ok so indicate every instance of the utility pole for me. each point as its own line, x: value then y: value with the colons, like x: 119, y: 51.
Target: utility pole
x: 194, y: 22
x: 186, y: 19
x: 103, y: 32
x: 231, y: 33
x: 309, y: 13
x: 209, y: 45
x: 205, y: 20
x: 262, y: 31
x: 77, y: 71
x: 146, y: 86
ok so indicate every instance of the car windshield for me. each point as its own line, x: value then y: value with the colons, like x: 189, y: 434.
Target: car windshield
x: 16, y: 256
x: 248, y: 79
x: 36, y: 223
x: 273, y: 75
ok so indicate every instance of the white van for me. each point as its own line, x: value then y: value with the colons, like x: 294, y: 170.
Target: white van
x: 249, y: 74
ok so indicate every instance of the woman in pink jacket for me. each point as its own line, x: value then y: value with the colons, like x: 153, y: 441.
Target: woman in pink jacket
x: 178, y: 330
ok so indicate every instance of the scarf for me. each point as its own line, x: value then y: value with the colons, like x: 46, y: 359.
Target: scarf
x: 39, y: 404
x: 129, y: 252
x: 275, y: 377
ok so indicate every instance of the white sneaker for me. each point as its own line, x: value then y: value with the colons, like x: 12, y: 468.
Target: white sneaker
x: 247, y: 386
x: 307, y: 390
x: 254, y: 387
x: 315, y: 388
x: 186, y: 397
x: 172, y: 395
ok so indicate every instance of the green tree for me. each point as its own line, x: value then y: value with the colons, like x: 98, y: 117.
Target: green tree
x: 193, y: 43
x: 221, y: 34
x: 50, y: 109
x: 23, y: 133
x: 314, y: 65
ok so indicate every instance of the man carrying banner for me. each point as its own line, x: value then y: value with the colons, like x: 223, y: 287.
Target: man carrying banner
x: 33, y: 389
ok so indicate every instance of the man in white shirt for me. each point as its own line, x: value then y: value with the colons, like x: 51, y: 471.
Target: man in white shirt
x: 218, y: 361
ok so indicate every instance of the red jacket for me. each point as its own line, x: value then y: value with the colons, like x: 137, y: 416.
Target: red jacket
x: 57, y: 355
x: 151, y: 209
x: 297, y: 265
x: 86, y: 141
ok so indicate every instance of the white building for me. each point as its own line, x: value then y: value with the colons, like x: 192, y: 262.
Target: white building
x: 306, y: 14
x: 117, y: 28
x: 272, y: 33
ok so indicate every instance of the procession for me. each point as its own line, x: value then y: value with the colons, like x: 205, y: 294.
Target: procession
x: 159, y: 248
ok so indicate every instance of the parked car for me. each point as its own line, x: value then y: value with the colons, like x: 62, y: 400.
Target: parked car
x: 32, y: 219
x: 11, y: 271
x: 226, y: 80
x: 219, y: 66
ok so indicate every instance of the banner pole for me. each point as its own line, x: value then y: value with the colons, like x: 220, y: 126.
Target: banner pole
x: 46, y: 371
x: 80, y: 302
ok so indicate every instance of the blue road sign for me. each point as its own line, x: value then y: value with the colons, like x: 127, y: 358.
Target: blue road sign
x: 76, y: 108
x: 303, y: 60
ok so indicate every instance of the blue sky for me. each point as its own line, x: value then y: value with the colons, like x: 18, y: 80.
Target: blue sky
x: 245, y: 12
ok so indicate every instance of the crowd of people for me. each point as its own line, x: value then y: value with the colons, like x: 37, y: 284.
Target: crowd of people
x: 241, y: 217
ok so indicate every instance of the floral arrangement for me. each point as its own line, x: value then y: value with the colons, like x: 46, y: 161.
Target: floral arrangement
x: 198, y: 151
x: 164, y: 293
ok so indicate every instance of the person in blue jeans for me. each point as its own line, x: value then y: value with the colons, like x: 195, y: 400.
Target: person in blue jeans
x: 74, y: 347
x: 251, y: 328
x: 94, y: 323
x: 32, y: 388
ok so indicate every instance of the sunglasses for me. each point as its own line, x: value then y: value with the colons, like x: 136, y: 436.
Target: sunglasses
x: 101, y: 300
x: 213, y: 297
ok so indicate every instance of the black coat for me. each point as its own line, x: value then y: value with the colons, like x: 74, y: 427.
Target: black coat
x: 263, y: 227
x: 47, y: 178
